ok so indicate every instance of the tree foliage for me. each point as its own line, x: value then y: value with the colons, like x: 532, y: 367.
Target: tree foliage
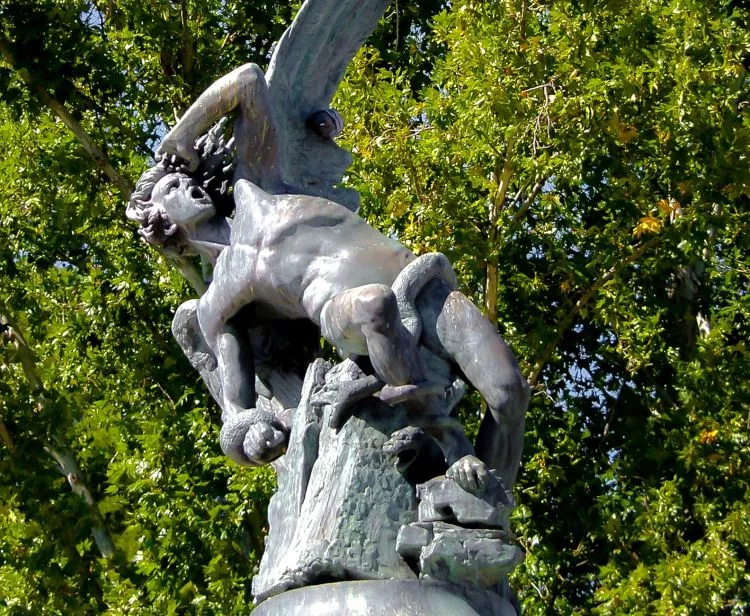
x: 584, y: 164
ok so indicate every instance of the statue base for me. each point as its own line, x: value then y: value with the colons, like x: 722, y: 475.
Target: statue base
x: 376, y: 598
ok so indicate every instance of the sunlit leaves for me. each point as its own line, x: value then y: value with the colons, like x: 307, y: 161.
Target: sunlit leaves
x: 646, y: 225
x: 629, y: 116
x: 551, y: 140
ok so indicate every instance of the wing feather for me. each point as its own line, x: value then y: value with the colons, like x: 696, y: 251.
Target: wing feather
x: 307, y: 66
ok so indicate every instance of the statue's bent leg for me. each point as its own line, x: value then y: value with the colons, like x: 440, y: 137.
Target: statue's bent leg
x: 454, y: 326
x: 365, y: 321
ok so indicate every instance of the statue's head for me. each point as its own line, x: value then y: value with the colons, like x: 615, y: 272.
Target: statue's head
x: 185, y: 203
x: 158, y: 195
x: 171, y: 205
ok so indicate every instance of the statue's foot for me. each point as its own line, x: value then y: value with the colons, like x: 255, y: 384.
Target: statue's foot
x: 405, y: 444
x: 264, y: 442
x: 470, y: 473
x: 252, y: 438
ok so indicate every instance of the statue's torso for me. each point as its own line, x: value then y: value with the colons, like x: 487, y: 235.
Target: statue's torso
x: 306, y: 250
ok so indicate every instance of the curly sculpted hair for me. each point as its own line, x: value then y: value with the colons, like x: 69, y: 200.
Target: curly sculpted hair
x: 214, y: 173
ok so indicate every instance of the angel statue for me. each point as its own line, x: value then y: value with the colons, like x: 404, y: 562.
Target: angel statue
x: 292, y: 261
x: 293, y: 256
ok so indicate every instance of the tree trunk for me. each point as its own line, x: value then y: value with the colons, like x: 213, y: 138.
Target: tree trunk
x: 61, y: 112
x: 497, y: 202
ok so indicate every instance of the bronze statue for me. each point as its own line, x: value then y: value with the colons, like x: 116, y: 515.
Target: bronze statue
x: 293, y: 256
x: 291, y: 261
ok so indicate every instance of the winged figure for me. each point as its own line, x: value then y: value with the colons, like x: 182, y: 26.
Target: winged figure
x: 265, y: 209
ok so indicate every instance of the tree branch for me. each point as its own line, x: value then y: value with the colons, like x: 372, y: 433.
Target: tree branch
x: 521, y: 211
x: 187, y: 269
x: 68, y: 468
x: 7, y: 438
x: 497, y: 202
x: 188, y: 46
x: 61, y: 112
x: 568, y: 319
x: 64, y: 460
x: 16, y: 339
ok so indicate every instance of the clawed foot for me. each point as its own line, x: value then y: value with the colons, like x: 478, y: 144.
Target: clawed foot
x: 405, y: 444
x: 341, y: 396
x: 470, y: 473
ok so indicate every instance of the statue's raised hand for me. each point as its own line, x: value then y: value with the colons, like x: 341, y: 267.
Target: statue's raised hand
x: 179, y: 147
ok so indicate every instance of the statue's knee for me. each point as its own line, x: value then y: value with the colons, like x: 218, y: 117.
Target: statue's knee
x: 249, y: 71
x: 248, y: 74
x: 377, y: 306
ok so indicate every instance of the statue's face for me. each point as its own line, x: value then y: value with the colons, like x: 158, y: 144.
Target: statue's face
x: 184, y: 201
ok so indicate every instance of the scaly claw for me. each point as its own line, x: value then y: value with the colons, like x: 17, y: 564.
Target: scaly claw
x: 341, y: 396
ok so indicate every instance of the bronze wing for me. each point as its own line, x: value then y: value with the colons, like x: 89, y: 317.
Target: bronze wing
x: 307, y: 66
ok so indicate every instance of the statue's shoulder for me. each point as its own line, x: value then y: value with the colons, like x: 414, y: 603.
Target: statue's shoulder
x: 245, y: 190
x: 290, y: 209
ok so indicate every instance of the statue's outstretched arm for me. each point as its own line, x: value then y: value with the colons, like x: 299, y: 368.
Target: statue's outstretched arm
x: 256, y: 137
x: 488, y: 364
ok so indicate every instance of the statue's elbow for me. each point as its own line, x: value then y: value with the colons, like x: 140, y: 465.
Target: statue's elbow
x: 248, y: 74
x: 512, y: 399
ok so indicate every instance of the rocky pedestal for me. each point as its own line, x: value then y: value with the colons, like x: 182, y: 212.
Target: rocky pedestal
x: 341, y: 501
x: 350, y: 533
